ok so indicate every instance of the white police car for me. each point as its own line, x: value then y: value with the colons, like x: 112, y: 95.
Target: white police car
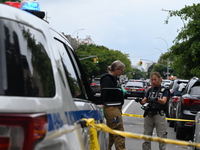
x: 43, y: 90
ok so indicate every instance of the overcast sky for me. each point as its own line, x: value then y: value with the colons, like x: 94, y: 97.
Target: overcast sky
x: 133, y: 27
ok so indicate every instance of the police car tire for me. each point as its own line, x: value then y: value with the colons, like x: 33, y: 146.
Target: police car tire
x: 180, y: 133
x: 171, y: 123
x: 175, y: 125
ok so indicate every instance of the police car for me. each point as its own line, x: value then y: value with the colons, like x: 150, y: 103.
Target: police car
x: 43, y: 91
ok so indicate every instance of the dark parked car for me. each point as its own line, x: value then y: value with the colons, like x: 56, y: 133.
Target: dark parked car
x: 175, y: 97
x: 187, y: 108
x: 95, y: 85
x: 174, y: 86
x: 135, y: 89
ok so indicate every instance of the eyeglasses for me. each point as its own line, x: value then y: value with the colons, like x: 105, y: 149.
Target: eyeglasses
x: 121, y: 70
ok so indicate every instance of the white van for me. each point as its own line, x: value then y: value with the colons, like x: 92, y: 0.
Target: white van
x: 43, y: 91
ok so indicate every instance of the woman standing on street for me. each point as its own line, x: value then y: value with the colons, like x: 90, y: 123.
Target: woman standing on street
x: 154, y: 115
x: 113, y: 114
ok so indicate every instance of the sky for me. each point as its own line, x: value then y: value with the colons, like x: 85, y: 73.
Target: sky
x: 136, y: 28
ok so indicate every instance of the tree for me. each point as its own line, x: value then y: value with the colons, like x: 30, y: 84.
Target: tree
x: 105, y: 56
x: 186, y: 48
x: 138, y: 74
x: 3, y: 1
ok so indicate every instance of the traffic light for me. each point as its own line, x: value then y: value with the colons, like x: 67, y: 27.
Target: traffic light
x: 140, y: 63
x: 96, y: 60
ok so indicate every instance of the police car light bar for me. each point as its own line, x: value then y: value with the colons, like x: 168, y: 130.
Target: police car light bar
x: 14, y: 4
x: 32, y: 7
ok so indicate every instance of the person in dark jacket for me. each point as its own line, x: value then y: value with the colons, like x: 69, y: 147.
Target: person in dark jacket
x: 113, y: 114
x: 154, y: 115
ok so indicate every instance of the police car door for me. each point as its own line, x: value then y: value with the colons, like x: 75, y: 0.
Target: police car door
x: 79, y: 89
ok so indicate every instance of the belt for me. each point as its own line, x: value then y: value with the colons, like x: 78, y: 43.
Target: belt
x: 152, y: 113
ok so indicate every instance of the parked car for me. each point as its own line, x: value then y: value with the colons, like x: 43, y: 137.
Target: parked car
x: 175, y: 97
x: 172, y: 107
x: 145, y: 83
x: 187, y: 108
x: 135, y: 89
x: 197, y: 131
x: 174, y: 88
x: 166, y: 83
x: 95, y: 85
x: 174, y: 85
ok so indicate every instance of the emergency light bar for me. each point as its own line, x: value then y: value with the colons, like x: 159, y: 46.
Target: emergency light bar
x: 14, y: 4
x: 32, y: 7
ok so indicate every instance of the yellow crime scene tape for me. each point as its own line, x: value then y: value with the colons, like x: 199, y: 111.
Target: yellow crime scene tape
x: 57, y: 134
x: 141, y: 116
x: 94, y: 144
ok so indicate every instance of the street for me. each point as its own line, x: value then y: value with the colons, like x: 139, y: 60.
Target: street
x: 135, y: 125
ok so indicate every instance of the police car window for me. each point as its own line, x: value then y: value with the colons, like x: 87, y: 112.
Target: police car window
x: 71, y: 53
x: 28, y: 66
x: 70, y: 72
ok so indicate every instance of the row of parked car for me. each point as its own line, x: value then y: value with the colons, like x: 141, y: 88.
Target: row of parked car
x: 185, y: 104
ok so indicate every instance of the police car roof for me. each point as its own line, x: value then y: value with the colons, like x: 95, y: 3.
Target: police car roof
x: 16, y: 14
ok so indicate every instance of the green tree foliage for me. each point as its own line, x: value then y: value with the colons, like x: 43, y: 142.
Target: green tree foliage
x: 2, y: 1
x: 138, y: 74
x: 186, y: 48
x: 106, y: 57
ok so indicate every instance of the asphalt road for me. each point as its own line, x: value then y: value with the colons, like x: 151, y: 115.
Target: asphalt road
x: 135, y: 125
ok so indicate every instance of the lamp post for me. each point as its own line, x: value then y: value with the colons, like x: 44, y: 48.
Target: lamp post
x: 159, y: 50
x: 167, y: 51
x: 76, y: 31
x: 164, y: 41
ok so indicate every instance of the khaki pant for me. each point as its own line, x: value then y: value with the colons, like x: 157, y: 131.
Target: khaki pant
x: 159, y: 122
x: 114, y: 120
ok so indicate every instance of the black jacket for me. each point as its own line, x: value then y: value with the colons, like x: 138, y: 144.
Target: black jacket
x: 153, y: 94
x: 108, y: 81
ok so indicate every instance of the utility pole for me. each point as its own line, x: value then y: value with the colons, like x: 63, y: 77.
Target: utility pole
x: 167, y: 58
x: 91, y: 56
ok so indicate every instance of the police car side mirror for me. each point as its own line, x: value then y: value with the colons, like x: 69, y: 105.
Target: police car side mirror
x: 109, y: 97
x: 112, y: 97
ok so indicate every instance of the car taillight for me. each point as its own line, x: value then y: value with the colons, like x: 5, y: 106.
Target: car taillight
x: 189, y: 123
x: 21, y: 131
x: 189, y: 101
x: 175, y: 99
x: 140, y: 89
x: 93, y: 84
x: 127, y: 88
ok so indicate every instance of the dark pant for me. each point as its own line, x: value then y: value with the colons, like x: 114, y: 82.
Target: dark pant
x: 114, y: 120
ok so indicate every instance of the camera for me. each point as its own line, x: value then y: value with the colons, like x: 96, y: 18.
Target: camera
x: 145, y: 106
x: 150, y: 104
